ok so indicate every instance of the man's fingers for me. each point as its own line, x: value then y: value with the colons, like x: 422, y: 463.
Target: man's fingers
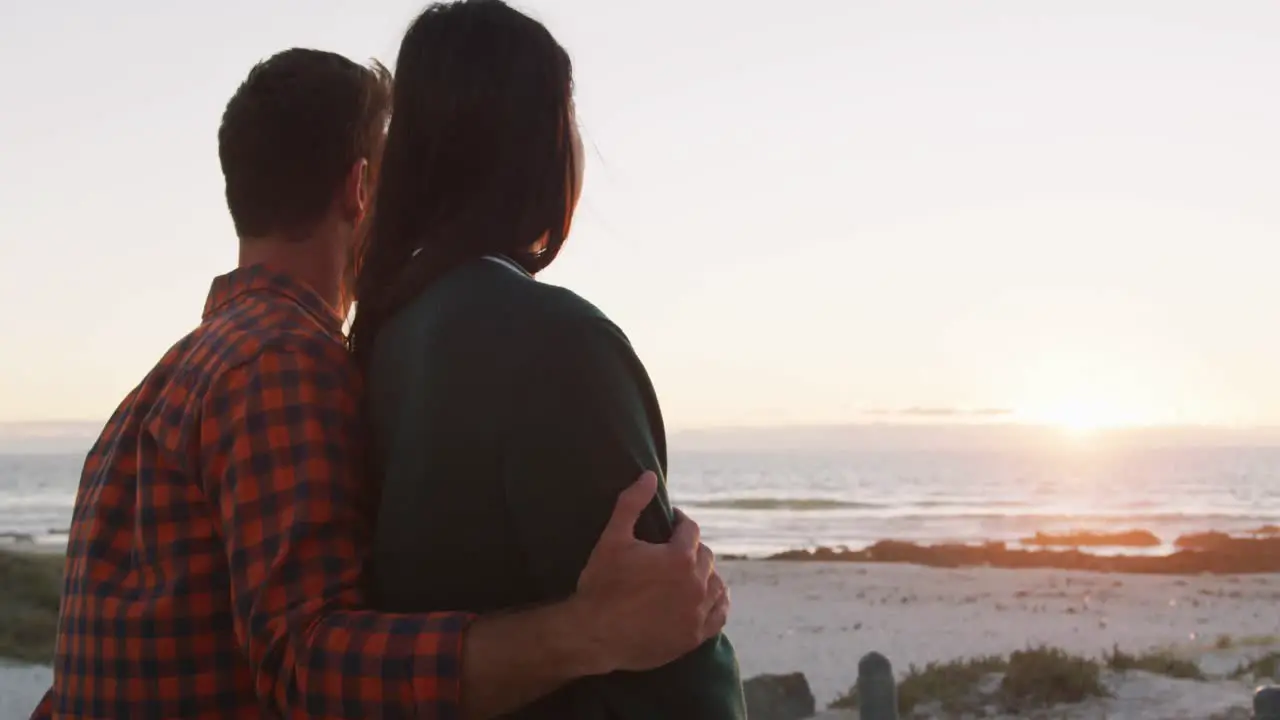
x: 716, y: 590
x: 631, y: 502
x: 686, y: 536
x: 706, y: 566
x: 719, y: 614
x: 715, y: 585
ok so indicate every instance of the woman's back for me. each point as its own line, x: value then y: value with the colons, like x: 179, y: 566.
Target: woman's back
x: 506, y: 417
x: 441, y: 377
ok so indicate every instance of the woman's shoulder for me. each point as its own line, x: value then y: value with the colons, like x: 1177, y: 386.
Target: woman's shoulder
x: 563, y: 310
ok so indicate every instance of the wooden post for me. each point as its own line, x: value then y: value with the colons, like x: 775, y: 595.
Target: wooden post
x: 1266, y: 703
x: 877, y: 693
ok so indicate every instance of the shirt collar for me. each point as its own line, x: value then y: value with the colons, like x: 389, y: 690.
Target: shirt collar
x: 508, y: 262
x: 499, y: 259
x: 260, y: 278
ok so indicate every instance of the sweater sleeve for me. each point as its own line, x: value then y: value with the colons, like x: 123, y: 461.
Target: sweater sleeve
x: 584, y: 431
x: 587, y: 425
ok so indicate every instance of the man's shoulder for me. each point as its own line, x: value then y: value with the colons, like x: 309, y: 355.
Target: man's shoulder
x: 241, y: 334
x: 250, y: 338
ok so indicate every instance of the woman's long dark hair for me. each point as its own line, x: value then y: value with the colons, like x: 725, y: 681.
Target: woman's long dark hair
x: 478, y: 157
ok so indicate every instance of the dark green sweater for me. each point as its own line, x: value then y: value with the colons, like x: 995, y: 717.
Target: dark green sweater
x: 507, y: 416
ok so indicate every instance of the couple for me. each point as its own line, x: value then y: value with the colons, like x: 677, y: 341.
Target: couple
x: 441, y: 520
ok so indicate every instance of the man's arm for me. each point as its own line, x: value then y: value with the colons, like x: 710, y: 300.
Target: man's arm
x: 637, y: 607
x: 282, y: 468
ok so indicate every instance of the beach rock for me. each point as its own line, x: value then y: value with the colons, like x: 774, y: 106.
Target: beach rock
x: 779, y: 697
x: 1211, y: 554
x: 1130, y: 538
x: 1203, y: 541
x: 1266, y: 703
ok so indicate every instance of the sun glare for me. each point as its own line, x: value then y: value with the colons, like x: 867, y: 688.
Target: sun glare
x: 1080, y: 421
x: 1078, y: 425
x: 1090, y: 387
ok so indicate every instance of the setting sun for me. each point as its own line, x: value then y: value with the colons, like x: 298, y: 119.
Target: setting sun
x: 1080, y: 419
x: 1078, y: 424
x: 1081, y: 389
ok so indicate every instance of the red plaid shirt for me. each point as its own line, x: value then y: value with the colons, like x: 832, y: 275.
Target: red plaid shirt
x: 220, y: 535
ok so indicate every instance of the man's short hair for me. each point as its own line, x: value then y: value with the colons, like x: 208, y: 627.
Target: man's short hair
x: 291, y: 134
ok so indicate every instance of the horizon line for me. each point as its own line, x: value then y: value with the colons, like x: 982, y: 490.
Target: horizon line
x: 877, y: 419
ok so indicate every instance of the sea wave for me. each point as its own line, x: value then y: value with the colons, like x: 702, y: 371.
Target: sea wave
x: 761, y: 505
x: 767, y: 503
x: 969, y: 509
x: 826, y: 503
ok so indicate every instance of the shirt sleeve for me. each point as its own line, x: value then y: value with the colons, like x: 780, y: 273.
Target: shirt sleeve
x: 282, y: 468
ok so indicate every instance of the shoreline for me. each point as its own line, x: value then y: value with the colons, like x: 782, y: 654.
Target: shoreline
x: 1213, y: 552
x: 1226, y: 556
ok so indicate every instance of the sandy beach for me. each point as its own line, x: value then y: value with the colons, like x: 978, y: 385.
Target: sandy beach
x: 21, y: 687
x: 820, y: 618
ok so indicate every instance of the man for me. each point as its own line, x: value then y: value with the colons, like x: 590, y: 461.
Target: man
x: 217, y: 547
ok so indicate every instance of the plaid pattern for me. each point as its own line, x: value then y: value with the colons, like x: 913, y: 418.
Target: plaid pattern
x: 220, y: 534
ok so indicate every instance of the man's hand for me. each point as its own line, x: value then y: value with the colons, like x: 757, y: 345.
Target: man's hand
x: 645, y: 605
x: 638, y: 606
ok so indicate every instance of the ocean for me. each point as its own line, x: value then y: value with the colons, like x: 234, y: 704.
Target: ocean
x: 757, y: 503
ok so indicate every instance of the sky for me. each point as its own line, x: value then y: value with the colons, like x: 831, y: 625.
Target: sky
x: 823, y: 211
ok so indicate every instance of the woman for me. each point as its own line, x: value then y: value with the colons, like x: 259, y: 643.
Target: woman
x: 497, y: 404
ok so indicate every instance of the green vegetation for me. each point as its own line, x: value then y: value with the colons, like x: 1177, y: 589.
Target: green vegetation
x: 1258, y: 641
x: 1229, y: 642
x: 1044, y: 676
x: 952, y: 684
x: 1266, y: 667
x: 1031, y: 679
x: 30, y: 585
x: 1156, y: 662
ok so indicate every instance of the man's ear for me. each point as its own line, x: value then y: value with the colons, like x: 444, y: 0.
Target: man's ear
x: 357, y: 192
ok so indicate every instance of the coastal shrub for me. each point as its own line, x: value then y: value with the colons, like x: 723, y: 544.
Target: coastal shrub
x: 1258, y: 641
x: 1027, y: 680
x: 847, y: 700
x: 1157, y: 662
x: 31, y: 585
x: 1043, y: 677
x: 954, y: 685
x: 1266, y: 667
